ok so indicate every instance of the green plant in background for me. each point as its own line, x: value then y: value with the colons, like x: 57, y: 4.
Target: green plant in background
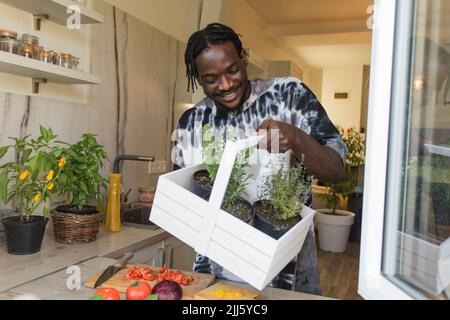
x: 355, y: 146
x: 287, y: 191
x: 213, y: 147
x: 33, y: 177
x: 81, y: 180
x: 336, y: 192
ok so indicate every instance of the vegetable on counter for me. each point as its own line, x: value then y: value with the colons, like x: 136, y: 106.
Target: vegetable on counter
x: 168, y: 290
x: 106, y: 294
x: 138, y: 291
x: 146, y: 273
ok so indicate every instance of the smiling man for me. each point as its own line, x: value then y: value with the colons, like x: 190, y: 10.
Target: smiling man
x: 215, y: 60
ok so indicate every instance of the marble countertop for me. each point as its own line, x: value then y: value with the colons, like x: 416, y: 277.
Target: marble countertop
x: 16, y: 270
x: 61, y: 285
x: 50, y: 274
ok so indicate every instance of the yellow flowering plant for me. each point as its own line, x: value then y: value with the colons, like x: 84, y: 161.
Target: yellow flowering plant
x: 32, y: 177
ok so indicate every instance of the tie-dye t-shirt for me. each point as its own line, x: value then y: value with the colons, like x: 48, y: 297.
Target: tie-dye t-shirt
x: 282, y: 99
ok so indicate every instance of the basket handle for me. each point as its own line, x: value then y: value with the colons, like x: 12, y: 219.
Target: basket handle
x: 220, y: 186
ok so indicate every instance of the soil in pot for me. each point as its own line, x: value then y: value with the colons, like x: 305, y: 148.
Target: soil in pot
x: 241, y: 209
x: 266, y: 221
x: 85, y: 210
x: 24, y: 237
x: 203, y: 184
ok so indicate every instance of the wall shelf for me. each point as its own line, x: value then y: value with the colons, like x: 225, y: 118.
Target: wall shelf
x: 42, y: 72
x: 54, y: 10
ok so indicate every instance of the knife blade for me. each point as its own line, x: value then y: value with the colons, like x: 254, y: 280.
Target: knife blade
x: 113, y: 269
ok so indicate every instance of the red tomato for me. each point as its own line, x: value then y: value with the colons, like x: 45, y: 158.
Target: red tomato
x: 138, y: 291
x: 108, y: 293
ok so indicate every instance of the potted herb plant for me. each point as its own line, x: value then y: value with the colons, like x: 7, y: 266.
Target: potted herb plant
x: 213, y: 147
x: 334, y: 221
x: 29, y: 180
x: 282, y: 200
x: 81, y: 182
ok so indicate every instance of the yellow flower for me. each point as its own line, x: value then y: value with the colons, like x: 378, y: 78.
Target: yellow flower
x: 50, y: 186
x: 50, y: 175
x: 37, y: 197
x: 24, y: 175
x: 61, y: 162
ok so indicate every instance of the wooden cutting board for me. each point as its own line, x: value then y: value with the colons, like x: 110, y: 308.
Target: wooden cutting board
x: 225, y: 291
x: 201, y: 281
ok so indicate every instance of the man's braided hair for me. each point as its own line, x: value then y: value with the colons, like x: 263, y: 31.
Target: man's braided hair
x: 212, y: 34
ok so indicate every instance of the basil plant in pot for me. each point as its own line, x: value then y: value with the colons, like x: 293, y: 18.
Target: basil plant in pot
x: 79, y: 220
x: 334, y: 221
x: 233, y: 202
x: 282, y: 198
x: 30, y: 180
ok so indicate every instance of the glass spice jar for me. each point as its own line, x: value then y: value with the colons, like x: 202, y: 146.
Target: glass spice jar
x: 53, y: 57
x: 30, y: 47
x: 65, y: 60
x: 146, y: 194
x: 45, y: 57
x: 8, y: 41
x: 9, y: 45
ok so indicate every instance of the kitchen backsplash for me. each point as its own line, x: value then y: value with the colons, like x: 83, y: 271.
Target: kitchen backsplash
x: 132, y: 111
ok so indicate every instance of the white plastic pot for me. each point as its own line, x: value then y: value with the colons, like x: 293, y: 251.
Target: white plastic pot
x: 334, y: 229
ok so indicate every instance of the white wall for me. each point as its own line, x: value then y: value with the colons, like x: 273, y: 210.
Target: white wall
x: 177, y: 18
x: 345, y: 113
x: 313, y: 79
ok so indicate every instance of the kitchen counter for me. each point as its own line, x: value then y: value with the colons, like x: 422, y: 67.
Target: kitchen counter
x: 19, y: 269
x: 46, y: 274
x: 54, y: 286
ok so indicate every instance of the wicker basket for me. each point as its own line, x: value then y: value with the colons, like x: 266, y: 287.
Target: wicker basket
x: 74, y: 228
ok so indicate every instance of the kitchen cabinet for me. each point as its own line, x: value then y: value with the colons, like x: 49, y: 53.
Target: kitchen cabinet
x: 284, y: 69
x: 179, y: 255
x: 171, y: 252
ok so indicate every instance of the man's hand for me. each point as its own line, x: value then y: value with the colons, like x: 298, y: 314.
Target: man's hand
x: 321, y: 161
x: 279, y: 134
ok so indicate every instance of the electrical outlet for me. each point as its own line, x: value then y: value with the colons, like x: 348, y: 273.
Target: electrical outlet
x: 158, y: 166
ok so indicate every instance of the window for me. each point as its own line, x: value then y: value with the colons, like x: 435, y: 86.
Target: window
x: 405, y: 251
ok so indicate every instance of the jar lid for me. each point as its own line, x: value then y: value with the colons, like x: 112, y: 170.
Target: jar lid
x: 9, y: 40
x: 146, y: 189
x: 5, y: 33
x: 30, y: 38
x: 65, y: 55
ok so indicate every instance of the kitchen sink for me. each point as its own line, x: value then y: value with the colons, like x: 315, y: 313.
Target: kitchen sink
x: 136, y: 213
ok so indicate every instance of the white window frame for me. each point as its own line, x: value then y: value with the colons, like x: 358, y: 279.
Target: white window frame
x: 372, y: 283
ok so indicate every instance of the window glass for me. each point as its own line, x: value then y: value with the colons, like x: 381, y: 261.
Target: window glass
x: 417, y: 251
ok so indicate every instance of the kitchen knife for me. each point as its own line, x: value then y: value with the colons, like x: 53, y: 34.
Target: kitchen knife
x: 113, y: 269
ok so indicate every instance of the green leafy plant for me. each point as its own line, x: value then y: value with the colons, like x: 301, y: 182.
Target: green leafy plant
x: 337, y: 192
x: 354, y: 142
x: 213, y: 147
x: 81, y: 180
x: 33, y: 177
x: 287, y: 191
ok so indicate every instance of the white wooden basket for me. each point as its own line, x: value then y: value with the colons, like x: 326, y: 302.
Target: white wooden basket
x: 237, y: 246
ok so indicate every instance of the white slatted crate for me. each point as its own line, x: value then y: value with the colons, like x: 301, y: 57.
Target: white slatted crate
x: 423, y: 263
x: 237, y: 246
